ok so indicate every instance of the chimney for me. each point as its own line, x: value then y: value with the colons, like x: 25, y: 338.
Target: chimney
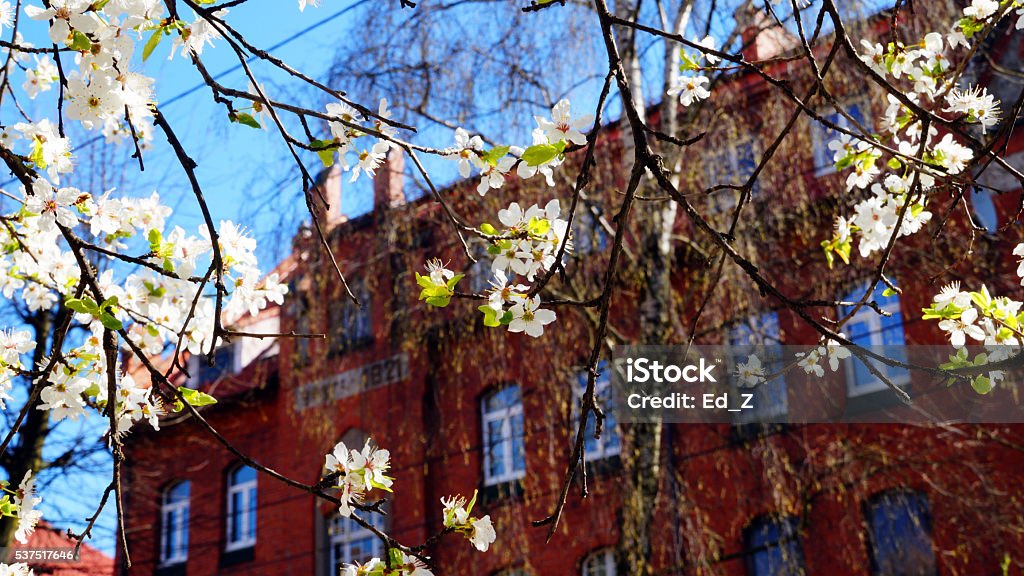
x: 763, y: 38
x: 388, y: 183
x: 327, y: 197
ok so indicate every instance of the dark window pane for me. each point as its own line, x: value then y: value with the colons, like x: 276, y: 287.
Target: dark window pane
x: 900, y: 534
x: 773, y: 548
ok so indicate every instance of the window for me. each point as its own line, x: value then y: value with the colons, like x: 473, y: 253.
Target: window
x: 610, y: 443
x: 773, y: 547
x: 769, y: 397
x: 241, y: 525
x: 873, y: 331
x: 174, y: 524
x: 821, y: 135
x: 479, y: 273
x: 504, y: 453
x: 350, y: 543
x: 600, y: 563
x: 351, y: 323
x: 899, y: 530
x: 223, y: 364
x: 983, y: 209
x: 732, y: 163
x: 299, y: 307
x: 589, y: 236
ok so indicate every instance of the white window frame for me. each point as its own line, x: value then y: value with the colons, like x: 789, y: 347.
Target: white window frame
x: 820, y: 133
x: 605, y: 559
x: 873, y: 320
x: 179, y: 534
x: 248, y: 502
x: 346, y: 537
x: 504, y: 415
x: 601, y: 384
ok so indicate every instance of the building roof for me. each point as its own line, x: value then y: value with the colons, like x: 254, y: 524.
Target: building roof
x: 91, y: 562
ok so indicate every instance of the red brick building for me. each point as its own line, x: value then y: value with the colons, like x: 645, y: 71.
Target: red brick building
x: 462, y: 407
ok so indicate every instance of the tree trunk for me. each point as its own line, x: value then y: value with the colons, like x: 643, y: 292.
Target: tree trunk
x: 642, y: 457
x: 27, y: 454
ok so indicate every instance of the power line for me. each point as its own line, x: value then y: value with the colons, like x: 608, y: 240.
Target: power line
x: 231, y: 70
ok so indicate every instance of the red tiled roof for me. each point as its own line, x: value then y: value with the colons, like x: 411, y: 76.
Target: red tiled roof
x: 91, y: 562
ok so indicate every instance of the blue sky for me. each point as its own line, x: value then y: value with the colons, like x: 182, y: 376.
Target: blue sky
x: 237, y: 165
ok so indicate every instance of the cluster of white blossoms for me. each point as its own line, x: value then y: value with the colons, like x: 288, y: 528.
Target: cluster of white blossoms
x: 925, y: 73
x: 831, y: 351
x: 401, y: 564
x: 550, y: 138
x: 360, y: 142
x: 21, y: 504
x: 356, y: 472
x: 178, y: 287
x: 479, y: 531
x: 979, y: 318
x: 752, y: 373
x: 692, y: 86
x: 103, y: 92
x: 528, y: 242
x: 525, y: 246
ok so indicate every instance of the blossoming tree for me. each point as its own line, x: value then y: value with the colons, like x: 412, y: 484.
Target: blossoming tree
x: 133, y: 285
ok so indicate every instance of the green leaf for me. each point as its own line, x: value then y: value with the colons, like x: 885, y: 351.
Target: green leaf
x: 506, y: 318
x: 488, y: 229
x: 82, y: 305
x: 539, y: 226
x: 243, y: 118
x: 894, y: 163
x: 982, y: 384
x: 155, y: 238
x: 889, y: 292
x: 688, y: 62
x: 195, y: 397
x: 439, y: 301
x: 110, y: 321
x: 80, y: 42
x: 395, y: 556
x: 490, y: 316
x: 152, y: 43
x: 843, y: 250
x: 455, y: 280
x: 493, y: 250
x: 325, y: 151
x: 540, y: 154
x: 424, y: 281
x: 494, y: 154
x: 36, y: 155
x: 829, y: 246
